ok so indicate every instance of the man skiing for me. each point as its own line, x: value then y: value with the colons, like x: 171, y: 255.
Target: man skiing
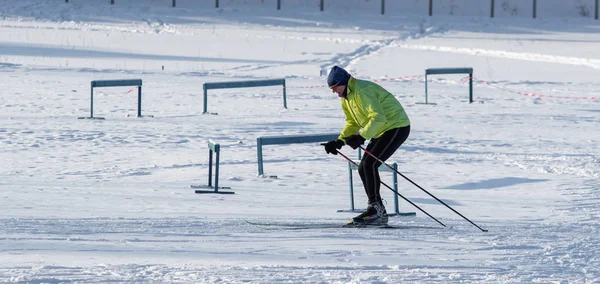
x: 374, y: 114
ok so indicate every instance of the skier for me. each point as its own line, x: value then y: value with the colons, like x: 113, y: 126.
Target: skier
x: 374, y: 114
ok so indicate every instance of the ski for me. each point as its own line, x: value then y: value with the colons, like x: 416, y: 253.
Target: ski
x: 308, y: 226
x: 350, y: 225
x: 293, y: 225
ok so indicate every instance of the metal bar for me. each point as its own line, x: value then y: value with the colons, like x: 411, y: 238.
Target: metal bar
x: 112, y: 2
x: 212, y: 145
x: 425, y: 88
x: 382, y: 7
x: 294, y: 139
x: 117, y: 83
x: 381, y: 167
x: 470, y: 87
x: 218, y: 152
x: 322, y: 5
x: 278, y: 4
x: 216, y: 3
x: 534, y: 8
x: 492, y: 10
x: 205, y: 108
x: 173, y: 3
x: 210, y: 160
x: 395, y: 180
x: 430, y: 8
x: 284, y: 96
x: 259, y: 155
x: 244, y: 84
x: 139, y: 113
x: 442, y: 71
x: 351, y: 186
x: 596, y: 10
x: 92, y: 102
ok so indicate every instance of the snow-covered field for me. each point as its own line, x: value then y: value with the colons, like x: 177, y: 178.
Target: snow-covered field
x: 96, y: 201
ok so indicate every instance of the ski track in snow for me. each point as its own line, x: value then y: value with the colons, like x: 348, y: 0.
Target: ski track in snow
x: 548, y: 255
x: 570, y: 60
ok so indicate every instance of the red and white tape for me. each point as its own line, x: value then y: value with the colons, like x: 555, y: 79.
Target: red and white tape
x: 530, y: 94
x: 464, y: 80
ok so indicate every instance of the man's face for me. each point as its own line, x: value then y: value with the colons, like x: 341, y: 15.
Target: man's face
x: 339, y: 90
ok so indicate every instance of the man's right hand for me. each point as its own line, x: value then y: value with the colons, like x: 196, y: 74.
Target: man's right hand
x: 331, y: 147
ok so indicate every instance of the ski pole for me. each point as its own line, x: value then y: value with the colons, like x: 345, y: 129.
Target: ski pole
x: 398, y: 172
x: 396, y: 192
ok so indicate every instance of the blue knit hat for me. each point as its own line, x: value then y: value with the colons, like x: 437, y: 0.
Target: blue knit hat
x: 337, y: 76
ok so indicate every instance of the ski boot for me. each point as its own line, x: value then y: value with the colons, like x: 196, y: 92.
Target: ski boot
x: 375, y: 215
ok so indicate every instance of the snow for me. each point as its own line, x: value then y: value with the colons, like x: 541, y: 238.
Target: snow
x: 96, y: 201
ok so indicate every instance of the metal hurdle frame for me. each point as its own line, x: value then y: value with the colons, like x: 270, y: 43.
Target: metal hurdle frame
x: 242, y: 84
x: 213, y: 149
x: 292, y: 139
x: 288, y: 139
x: 442, y: 71
x: 352, y: 167
x: 114, y: 83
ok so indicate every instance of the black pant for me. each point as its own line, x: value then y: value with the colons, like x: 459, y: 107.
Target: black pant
x: 382, y: 148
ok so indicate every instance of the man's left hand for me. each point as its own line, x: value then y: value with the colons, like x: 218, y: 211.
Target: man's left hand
x: 354, y: 141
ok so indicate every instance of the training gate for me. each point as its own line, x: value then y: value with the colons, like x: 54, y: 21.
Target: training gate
x: 353, y: 167
x: 292, y: 139
x: 242, y: 84
x: 115, y: 83
x: 288, y: 139
x: 442, y: 71
x: 214, y: 149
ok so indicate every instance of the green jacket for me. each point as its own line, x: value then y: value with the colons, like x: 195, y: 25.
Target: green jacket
x: 371, y: 108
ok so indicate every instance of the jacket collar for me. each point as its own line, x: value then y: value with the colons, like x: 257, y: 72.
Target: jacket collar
x: 350, y: 86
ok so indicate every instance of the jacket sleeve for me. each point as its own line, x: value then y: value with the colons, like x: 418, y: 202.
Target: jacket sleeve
x: 374, y: 111
x: 351, y: 126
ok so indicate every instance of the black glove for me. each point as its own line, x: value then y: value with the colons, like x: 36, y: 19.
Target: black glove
x: 354, y: 141
x: 331, y: 147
